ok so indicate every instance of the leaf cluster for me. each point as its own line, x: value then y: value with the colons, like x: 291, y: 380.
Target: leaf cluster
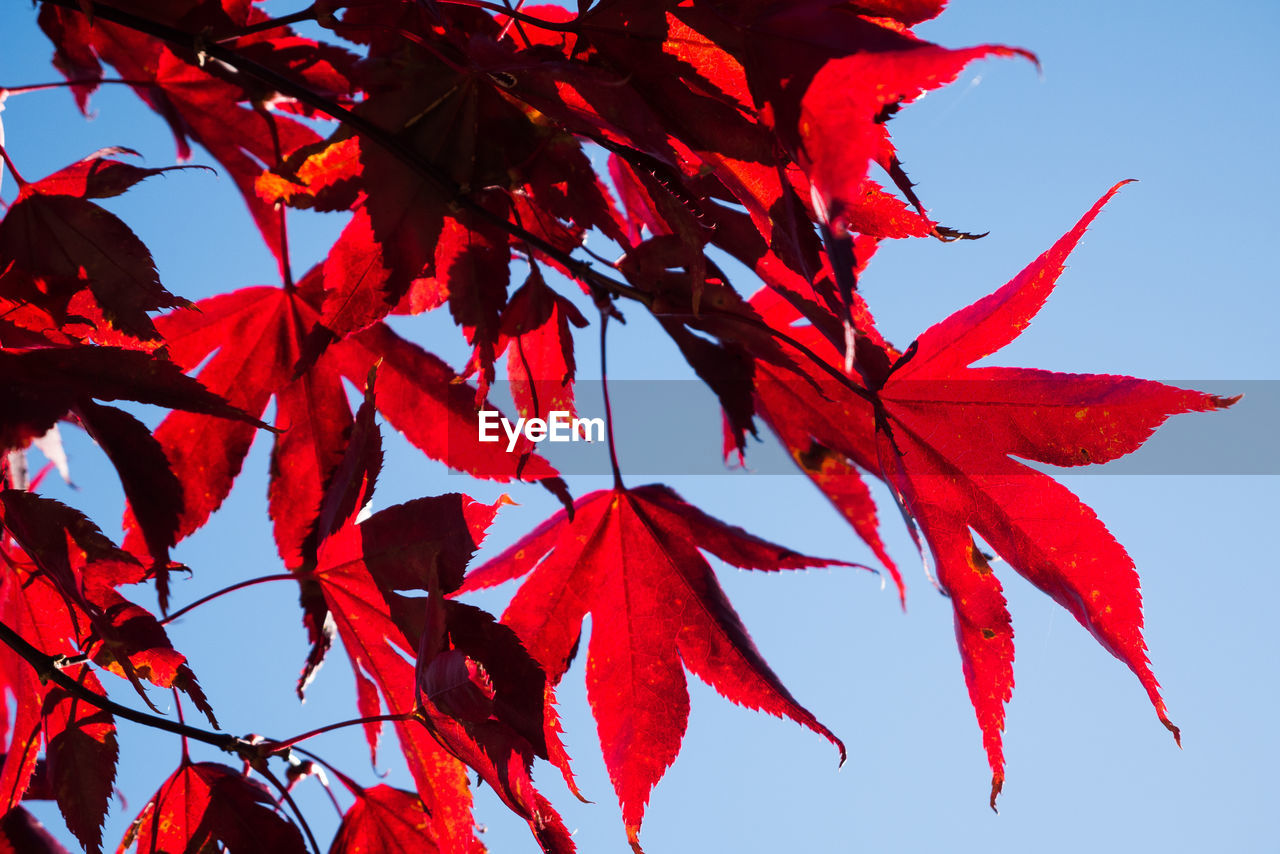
x: 466, y: 143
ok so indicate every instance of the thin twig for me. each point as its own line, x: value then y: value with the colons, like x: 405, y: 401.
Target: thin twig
x: 605, y: 309
x: 283, y: 576
x: 278, y: 746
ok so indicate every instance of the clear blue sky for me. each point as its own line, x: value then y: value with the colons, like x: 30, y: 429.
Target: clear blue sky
x: 1176, y: 281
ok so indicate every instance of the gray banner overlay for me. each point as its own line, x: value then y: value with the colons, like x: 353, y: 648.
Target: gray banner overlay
x: 674, y: 427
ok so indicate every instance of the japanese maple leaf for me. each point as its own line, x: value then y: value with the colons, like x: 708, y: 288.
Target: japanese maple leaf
x: 80, y: 738
x: 205, y: 804
x: 56, y: 245
x: 385, y: 819
x: 256, y: 337
x: 948, y: 438
x: 58, y: 554
x: 631, y: 558
x: 80, y: 746
x: 58, y: 591
x: 840, y: 126
x: 486, y: 700
x: 424, y: 545
x: 195, y: 103
x: 539, y: 343
x: 497, y: 723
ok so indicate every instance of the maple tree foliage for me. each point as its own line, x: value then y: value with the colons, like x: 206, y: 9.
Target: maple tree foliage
x: 465, y: 143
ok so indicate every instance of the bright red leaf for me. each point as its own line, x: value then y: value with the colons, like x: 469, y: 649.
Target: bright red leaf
x: 384, y: 820
x: 55, y: 244
x: 948, y: 438
x: 424, y: 545
x: 631, y: 558
x: 256, y: 337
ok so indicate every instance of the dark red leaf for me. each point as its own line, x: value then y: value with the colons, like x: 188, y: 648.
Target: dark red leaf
x: 204, y: 804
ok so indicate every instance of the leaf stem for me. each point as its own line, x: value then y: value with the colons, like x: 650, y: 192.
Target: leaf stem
x: 282, y: 576
x: 79, y: 81
x: 605, y: 311
x: 277, y: 746
x: 177, y: 707
x: 286, y: 269
x: 13, y: 170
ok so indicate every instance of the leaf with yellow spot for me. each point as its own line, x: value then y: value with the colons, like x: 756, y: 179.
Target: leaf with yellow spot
x: 950, y: 439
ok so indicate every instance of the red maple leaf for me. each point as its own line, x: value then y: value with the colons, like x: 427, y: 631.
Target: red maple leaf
x: 80, y: 739
x: 256, y: 337
x: 58, y: 591
x: 424, y: 545
x: 539, y: 345
x: 495, y: 725
x: 385, y: 819
x: 948, y: 438
x: 631, y: 557
x: 204, y: 804
x: 61, y: 254
x: 196, y: 104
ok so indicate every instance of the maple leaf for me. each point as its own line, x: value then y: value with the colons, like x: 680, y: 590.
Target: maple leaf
x: 59, y: 554
x: 539, y: 344
x: 385, y: 680
x: 360, y: 571
x: 196, y: 104
x: 631, y: 557
x: 945, y: 436
x: 422, y: 545
x: 80, y: 740
x: 256, y: 337
x: 385, y: 819
x: 58, y: 592
x: 55, y: 245
x: 840, y: 123
x: 206, y: 804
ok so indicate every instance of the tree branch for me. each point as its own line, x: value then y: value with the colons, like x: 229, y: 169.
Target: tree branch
x: 46, y: 667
